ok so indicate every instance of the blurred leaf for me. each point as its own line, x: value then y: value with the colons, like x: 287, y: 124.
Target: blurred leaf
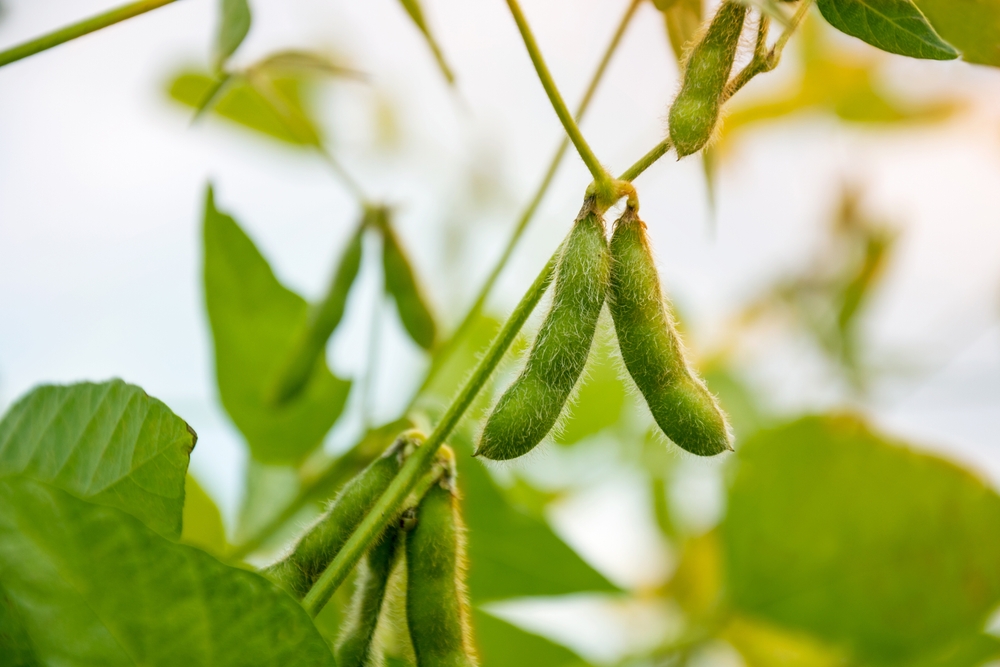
x: 296, y: 61
x: 109, y: 443
x: 202, y: 521
x: 412, y: 8
x: 401, y: 284
x: 683, y: 20
x: 514, y: 554
x: 463, y: 357
x: 599, y: 398
x: 746, y: 416
x: 234, y: 24
x: 896, y: 26
x: 971, y: 26
x: 255, y: 322
x: 765, y: 645
x: 504, y: 645
x: 968, y: 652
x: 16, y: 649
x: 697, y: 581
x: 833, y: 530
x: 94, y: 586
x: 239, y: 102
x: 269, y: 488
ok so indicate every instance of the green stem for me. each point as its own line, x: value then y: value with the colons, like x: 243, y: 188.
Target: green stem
x: 600, y: 175
x: 79, y: 29
x: 646, y: 161
x: 444, y: 352
x: 391, y: 502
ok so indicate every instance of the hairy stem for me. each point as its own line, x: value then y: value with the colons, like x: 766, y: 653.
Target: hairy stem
x: 565, y: 117
x: 79, y: 29
x: 444, y: 352
x: 391, y: 502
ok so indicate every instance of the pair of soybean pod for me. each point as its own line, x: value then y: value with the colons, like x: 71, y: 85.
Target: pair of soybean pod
x: 589, y: 272
x: 429, y: 536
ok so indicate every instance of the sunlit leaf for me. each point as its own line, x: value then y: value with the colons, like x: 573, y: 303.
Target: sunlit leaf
x: 94, y: 586
x: 697, y: 583
x: 401, y: 283
x: 109, y: 443
x: 504, y: 645
x: 234, y: 24
x: 896, y: 26
x: 971, y: 26
x: 833, y: 530
x: 255, y: 322
x: 515, y: 555
x: 765, y: 645
x: 202, y: 521
x: 240, y: 103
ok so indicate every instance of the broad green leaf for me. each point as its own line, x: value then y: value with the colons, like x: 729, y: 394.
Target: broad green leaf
x: 412, y: 8
x: 401, y: 283
x: 255, y: 322
x: 514, y: 554
x: 109, y: 443
x: 202, y: 521
x: 94, y: 586
x: 501, y: 644
x: 599, y: 399
x: 896, y: 26
x: 833, y: 530
x: 971, y: 26
x: 16, y: 649
x: 234, y: 24
x: 239, y: 102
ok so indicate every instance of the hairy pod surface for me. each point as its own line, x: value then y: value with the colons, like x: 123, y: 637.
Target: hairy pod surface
x: 529, y: 408
x: 437, y: 609
x: 356, y: 646
x: 696, y: 108
x: 651, y: 349
x: 298, y: 571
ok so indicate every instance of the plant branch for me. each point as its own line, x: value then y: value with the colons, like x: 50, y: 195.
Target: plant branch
x: 444, y: 352
x: 391, y: 502
x: 601, y: 177
x: 646, y: 161
x: 79, y: 29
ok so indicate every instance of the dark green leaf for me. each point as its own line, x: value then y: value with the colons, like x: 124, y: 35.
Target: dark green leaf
x: 202, y: 521
x: 109, y: 443
x: 16, y: 649
x: 833, y: 530
x: 94, y: 586
x: 234, y: 24
x: 504, y: 645
x: 971, y: 26
x: 514, y: 554
x: 896, y: 26
x: 239, y: 102
x: 255, y: 322
x: 401, y: 284
x: 599, y: 399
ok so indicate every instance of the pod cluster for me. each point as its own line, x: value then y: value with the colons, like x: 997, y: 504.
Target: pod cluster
x: 589, y: 272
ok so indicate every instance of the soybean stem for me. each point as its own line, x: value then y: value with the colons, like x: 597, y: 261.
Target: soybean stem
x: 444, y: 352
x: 646, y: 161
x: 79, y: 29
x: 572, y: 130
x: 391, y: 501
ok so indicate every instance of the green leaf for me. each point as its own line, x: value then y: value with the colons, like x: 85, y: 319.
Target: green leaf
x: 94, y: 586
x: 202, y: 521
x: 412, y: 8
x: 599, y: 400
x: 16, y: 649
x: 401, y: 283
x: 896, y: 26
x: 241, y: 103
x: 109, y: 443
x: 514, y: 554
x: 234, y: 24
x: 833, y: 530
x: 971, y: 26
x: 255, y: 323
x: 682, y: 19
x: 504, y: 645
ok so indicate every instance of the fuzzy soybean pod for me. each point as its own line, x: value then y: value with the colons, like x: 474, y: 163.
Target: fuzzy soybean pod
x: 437, y: 609
x: 529, y: 408
x: 298, y: 571
x: 356, y: 647
x: 696, y: 108
x: 651, y: 349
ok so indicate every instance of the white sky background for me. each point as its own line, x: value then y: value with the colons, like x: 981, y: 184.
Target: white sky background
x: 102, y: 182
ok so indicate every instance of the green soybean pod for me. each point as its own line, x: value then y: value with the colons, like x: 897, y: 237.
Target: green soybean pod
x: 437, y: 609
x: 356, y: 646
x: 322, y: 322
x: 298, y: 571
x: 696, y: 108
x: 401, y: 283
x: 529, y: 408
x: 652, y: 351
